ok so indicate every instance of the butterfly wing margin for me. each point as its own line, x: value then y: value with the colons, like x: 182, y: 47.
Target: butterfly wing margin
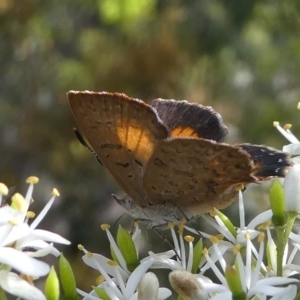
x: 196, y: 174
x: 184, y: 119
x: 122, y: 131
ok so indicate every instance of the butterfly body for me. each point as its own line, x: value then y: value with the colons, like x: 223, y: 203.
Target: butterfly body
x: 168, y: 157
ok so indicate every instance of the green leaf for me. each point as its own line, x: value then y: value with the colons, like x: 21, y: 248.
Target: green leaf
x: 234, y: 283
x: 227, y: 222
x: 67, y: 279
x: 127, y: 248
x: 101, y: 293
x: 277, y: 203
x: 197, y: 255
x: 52, y: 285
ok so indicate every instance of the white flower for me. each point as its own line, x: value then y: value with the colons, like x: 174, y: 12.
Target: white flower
x: 294, y: 147
x: 116, y: 280
x: 17, y: 237
x: 148, y: 288
x: 12, y: 283
x: 250, y: 274
x: 187, y: 285
x: 291, y: 187
x: 235, y: 237
x: 177, y: 259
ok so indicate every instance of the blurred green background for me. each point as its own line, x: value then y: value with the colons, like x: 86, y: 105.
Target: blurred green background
x: 241, y: 57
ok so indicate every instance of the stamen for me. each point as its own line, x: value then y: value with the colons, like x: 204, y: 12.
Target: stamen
x: 30, y: 214
x: 236, y: 249
x: 213, y: 213
x: 55, y: 192
x: 18, y: 202
x: 189, y: 239
x: 112, y: 263
x: 170, y: 225
x: 80, y: 247
x: 287, y: 126
x: 3, y: 189
x: 239, y: 186
x: 261, y: 237
x: 104, y: 227
x: 100, y: 279
x: 264, y: 225
x: 32, y: 180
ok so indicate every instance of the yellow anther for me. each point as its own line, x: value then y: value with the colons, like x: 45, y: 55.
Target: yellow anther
x: 181, y: 227
x: 112, y: 263
x: 205, y: 251
x: 220, y: 236
x: 32, y: 180
x: 239, y: 187
x: 80, y: 247
x: 264, y: 225
x: 55, y: 192
x: 18, y: 202
x: 236, y: 249
x: 261, y: 237
x: 214, y: 239
x: 100, y: 279
x: 136, y: 224
x: 30, y: 214
x: 247, y: 236
x: 170, y: 225
x: 213, y: 213
x: 287, y: 126
x: 276, y: 123
x: 3, y: 189
x: 189, y: 238
x: 105, y: 226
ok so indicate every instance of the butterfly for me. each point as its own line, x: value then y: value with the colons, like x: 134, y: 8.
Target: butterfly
x: 169, y: 156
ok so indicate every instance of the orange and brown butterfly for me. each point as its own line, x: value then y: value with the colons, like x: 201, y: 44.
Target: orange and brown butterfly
x: 168, y: 156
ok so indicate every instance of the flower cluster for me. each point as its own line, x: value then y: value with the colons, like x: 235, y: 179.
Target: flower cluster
x: 257, y: 260
x: 22, y: 243
x: 261, y: 257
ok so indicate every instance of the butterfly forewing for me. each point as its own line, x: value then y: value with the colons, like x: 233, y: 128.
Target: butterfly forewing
x: 123, y: 132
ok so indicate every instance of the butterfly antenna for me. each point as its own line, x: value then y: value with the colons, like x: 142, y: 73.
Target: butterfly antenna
x: 157, y: 230
x: 118, y: 220
x: 84, y: 143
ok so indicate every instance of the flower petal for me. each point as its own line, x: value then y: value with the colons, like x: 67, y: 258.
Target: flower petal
x: 23, y: 263
x: 291, y: 187
x: 49, y: 236
x: 13, y: 284
x: 148, y: 287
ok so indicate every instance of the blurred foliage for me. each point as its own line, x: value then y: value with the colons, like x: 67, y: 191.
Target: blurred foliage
x: 241, y: 57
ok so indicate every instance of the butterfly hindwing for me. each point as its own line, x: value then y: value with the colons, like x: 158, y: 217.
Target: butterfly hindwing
x: 194, y: 173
